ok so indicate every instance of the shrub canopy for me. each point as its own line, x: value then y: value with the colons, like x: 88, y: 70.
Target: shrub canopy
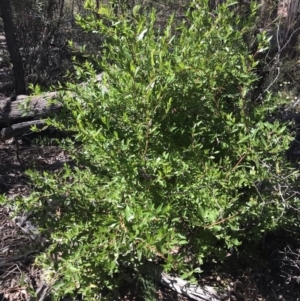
x: 174, y: 162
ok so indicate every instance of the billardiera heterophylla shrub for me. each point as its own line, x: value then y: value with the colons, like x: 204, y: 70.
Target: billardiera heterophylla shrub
x: 173, y: 162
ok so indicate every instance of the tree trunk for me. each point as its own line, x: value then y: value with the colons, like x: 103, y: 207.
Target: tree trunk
x: 293, y: 17
x: 53, y: 21
x: 268, y: 12
x: 15, y: 56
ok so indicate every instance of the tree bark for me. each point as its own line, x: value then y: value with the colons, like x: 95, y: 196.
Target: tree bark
x: 268, y: 12
x: 19, y: 76
x: 293, y: 22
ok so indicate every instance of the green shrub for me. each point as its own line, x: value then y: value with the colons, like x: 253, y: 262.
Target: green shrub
x: 174, y: 163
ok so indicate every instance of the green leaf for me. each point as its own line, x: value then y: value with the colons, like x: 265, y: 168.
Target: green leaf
x: 129, y: 216
x: 142, y: 34
x: 201, y: 213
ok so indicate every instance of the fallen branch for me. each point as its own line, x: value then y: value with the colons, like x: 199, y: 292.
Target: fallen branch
x: 20, y: 128
x: 13, y: 111
x: 195, y: 292
x: 36, y: 106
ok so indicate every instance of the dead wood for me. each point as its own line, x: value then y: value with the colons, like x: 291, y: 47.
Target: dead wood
x: 18, y: 114
x: 27, y: 107
x: 12, y: 112
x: 193, y: 291
x: 20, y: 128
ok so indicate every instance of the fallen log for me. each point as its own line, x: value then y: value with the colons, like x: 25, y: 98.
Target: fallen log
x: 20, y: 128
x: 193, y: 291
x: 27, y: 107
